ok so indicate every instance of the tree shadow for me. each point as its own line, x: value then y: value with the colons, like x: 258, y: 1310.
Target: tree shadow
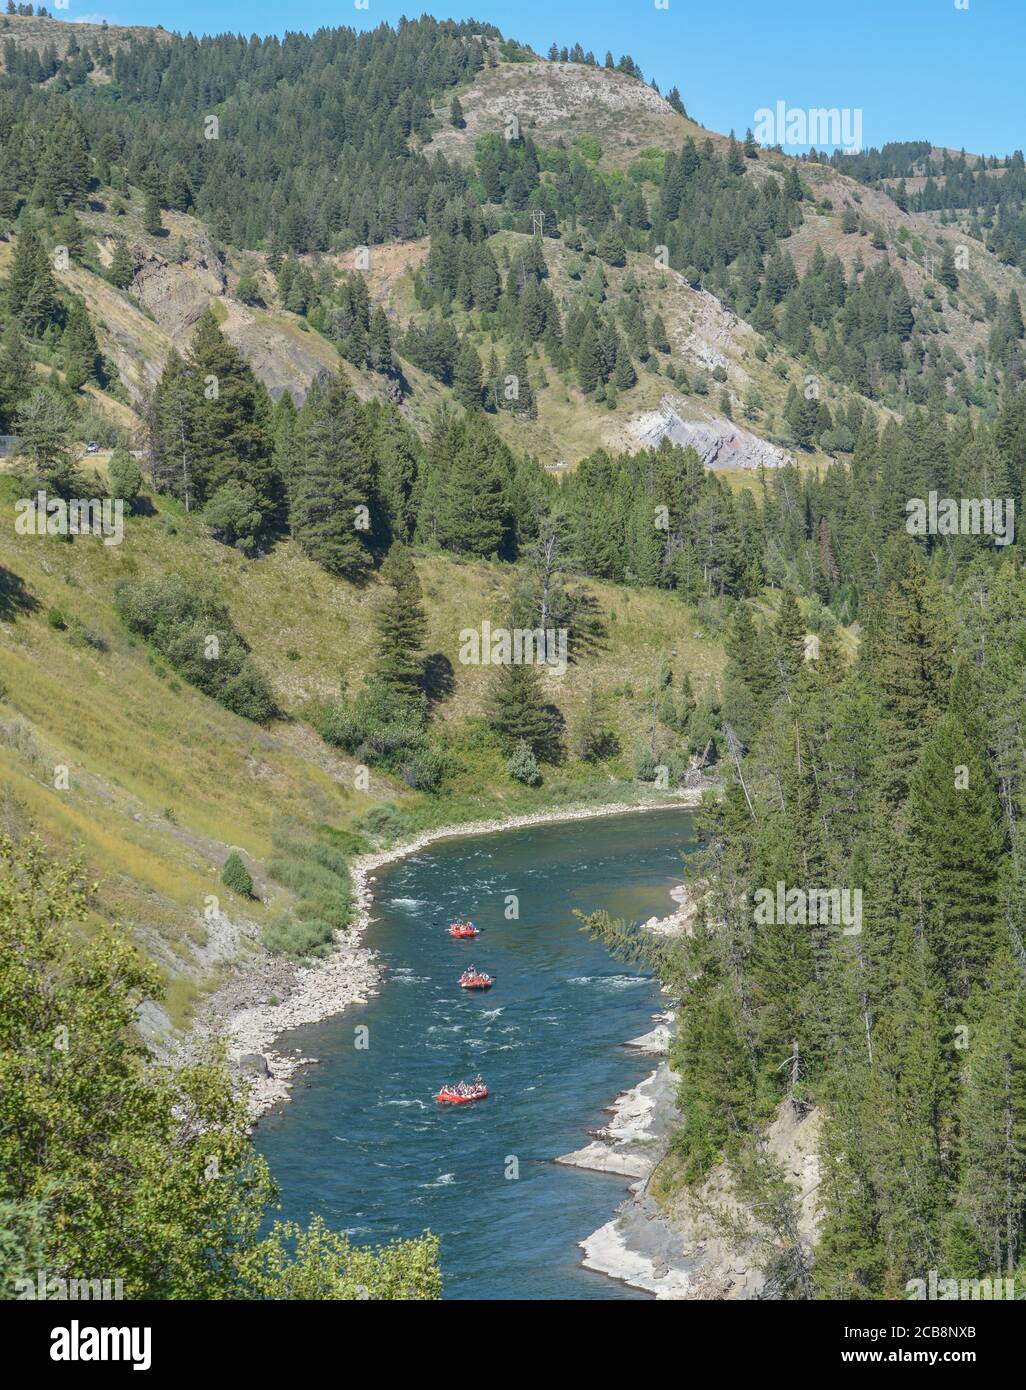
x: 14, y: 596
x: 439, y: 680
x: 588, y: 632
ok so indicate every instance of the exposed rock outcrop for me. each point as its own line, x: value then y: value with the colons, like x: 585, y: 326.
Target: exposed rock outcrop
x: 720, y: 443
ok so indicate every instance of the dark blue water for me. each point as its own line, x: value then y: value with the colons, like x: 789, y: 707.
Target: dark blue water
x: 363, y: 1143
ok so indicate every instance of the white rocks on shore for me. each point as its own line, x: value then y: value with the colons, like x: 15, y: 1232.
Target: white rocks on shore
x: 638, y: 1247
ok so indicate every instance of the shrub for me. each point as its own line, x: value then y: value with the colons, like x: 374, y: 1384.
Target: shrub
x: 193, y: 631
x: 236, y: 876
x: 290, y: 936
x: 381, y: 727
x: 385, y: 822
x: 233, y: 516
x: 644, y: 764
x: 314, y: 868
x: 427, y: 770
x: 523, y: 766
x: 248, y: 290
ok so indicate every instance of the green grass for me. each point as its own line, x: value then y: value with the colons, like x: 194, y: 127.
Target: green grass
x: 163, y: 782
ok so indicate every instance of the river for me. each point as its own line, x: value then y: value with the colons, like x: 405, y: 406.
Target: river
x: 363, y: 1143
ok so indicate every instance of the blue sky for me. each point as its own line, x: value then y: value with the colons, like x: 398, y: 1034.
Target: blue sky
x: 917, y: 69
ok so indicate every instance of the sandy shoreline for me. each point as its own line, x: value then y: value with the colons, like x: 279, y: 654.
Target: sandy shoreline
x: 352, y: 973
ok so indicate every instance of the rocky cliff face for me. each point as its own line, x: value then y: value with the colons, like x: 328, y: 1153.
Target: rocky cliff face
x: 720, y: 443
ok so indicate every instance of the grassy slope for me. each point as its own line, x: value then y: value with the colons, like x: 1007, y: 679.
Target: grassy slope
x: 164, y: 781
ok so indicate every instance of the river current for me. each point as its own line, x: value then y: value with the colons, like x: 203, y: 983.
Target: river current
x: 362, y: 1141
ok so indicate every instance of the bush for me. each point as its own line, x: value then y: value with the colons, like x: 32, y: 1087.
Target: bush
x: 193, y: 631
x: 248, y: 290
x: 290, y: 936
x: 380, y: 727
x: 523, y: 766
x: 644, y: 764
x: 236, y: 876
x: 314, y: 868
x: 427, y: 771
x: 233, y: 516
x: 385, y: 822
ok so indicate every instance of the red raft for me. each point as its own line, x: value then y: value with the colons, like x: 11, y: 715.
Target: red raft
x: 461, y: 1093
x: 463, y: 930
x: 476, y: 979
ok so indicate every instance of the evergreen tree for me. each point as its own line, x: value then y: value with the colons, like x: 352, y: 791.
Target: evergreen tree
x: 334, y: 482
x: 788, y: 642
x: 15, y: 374
x: 230, y: 417
x: 151, y: 223
x: 400, y: 626
x: 518, y: 713
x: 236, y: 876
x: 31, y: 288
x: 43, y: 425
x: 466, y: 379
x: 121, y: 271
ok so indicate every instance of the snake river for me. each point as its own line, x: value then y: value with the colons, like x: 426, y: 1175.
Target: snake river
x: 364, y: 1144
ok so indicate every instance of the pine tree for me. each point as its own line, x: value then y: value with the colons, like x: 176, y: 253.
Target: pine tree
x: 906, y: 657
x: 788, y: 642
x: 591, y: 370
x: 151, y: 223
x: 15, y: 374
x: 474, y: 505
x: 906, y: 1098
x: 121, y: 271
x: 985, y: 1231
x: 43, y: 425
x: 31, y: 288
x: 174, y: 446
x: 466, y: 377
x: 236, y: 876
x: 956, y: 838
x: 81, y: 351
x: 400, y: 625
x: 610, y: 247
x: 518, y: 713
x: 623, y: 369
x: 334, y: 481
x: 230, y: 422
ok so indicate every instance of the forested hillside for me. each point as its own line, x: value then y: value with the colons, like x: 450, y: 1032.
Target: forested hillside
x: 380, y: 337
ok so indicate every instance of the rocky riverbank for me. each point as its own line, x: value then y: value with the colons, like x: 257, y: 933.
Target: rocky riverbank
x: 638, y: 1246
x: 257, y: 1006
x: 673, y: 1248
